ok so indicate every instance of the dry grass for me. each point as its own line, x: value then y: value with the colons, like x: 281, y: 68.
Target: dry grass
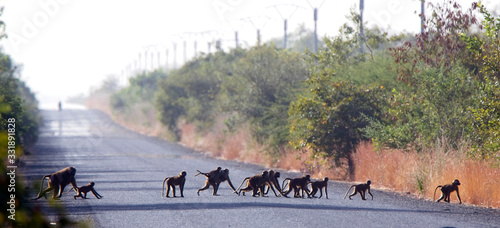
x: 420, y: 173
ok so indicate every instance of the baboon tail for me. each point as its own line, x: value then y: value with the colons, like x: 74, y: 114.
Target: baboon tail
x: 242, y: 184
x: 434, y: 199
x: 70, y: 190
x: 163, y: 186
x: 199, y: 172
x: 348, y: 191
x: 41, y: 187
x: 283, y: 186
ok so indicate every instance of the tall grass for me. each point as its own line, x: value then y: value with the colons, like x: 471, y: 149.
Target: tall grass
x: 420, y: 173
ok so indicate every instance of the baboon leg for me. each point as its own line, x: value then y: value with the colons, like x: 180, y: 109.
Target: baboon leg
x: 44, y: 193
x: 440, y: 198
x: 61, y: 190
x: 56, y: 192
x: 168, y: 190
x: 216, y: 188
x: 353, y: 194
x: 173, y: 190
x: 207, y: 185
x: 96, y: 194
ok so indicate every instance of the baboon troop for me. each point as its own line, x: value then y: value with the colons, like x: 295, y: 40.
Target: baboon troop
x: 361, y: 189
x: 85, y: 189
x: 446, y: 190
x: 173, y: 181
x: 258, y: 184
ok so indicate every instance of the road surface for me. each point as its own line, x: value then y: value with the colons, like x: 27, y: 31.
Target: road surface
x: 128, y: 170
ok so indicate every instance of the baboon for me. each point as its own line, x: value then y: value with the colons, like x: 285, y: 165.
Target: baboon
x: 446, y: 190
x: 173, y: 181
x: 255, y: 183
x: 298, y: 185
x: 361, y: 189
x: 212, y: 180
x: 273, y: 181
x: 57, y: 182
x: 85, y: 189
x: 319, y: 185
x: 215, y: 181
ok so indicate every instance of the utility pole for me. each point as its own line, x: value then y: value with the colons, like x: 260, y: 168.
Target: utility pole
x: 195, y: 49
x: 139, y: 65
x: 146, y: 60
x: 185, y: 54
x: 315, y: 25
x: 422, y: 16
x: 292, y: 8
x: 166, y: 61
x: 315, y: 30
x: 258, y: 37
x: 175, y: 55
x: 236, y: 38
x: 159, y: 63
x: 361, y: 31
x: 152, y: 59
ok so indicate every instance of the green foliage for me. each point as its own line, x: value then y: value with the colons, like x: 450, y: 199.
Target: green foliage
x: 191, y: 92
x: 17, y: 101
x: 141, y: 89
x: 435, y: 109
x: 453, y: 93
x: 342, y: 94
x: 485, y: 132
x: 264, y: 84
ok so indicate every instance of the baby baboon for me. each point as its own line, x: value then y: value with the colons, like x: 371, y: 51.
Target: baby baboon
x: 446, y: 190
x: 85, y: 189
x: 298, y: 185
x: 255, y: 183
x: 173, y: 181
x: 319, y: 185
x: 57, y: 182
x: 361, y: 189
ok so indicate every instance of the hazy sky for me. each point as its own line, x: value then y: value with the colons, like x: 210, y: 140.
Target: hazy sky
x: 67, y: 46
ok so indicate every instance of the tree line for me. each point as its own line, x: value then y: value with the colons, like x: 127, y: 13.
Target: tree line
x: 406, y: 91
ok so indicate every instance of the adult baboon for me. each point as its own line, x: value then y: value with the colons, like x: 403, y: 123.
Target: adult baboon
x: 319, y: 185
x: 215, y: 181
x: 446, y: 190
x: 255, y: 183
x: 298, y: 185
x: 173, y: 181
x: 273, y: 181
x: 57, y: 182
x: 361, y: 189
x: 85, y: 189
x: 212, y: 180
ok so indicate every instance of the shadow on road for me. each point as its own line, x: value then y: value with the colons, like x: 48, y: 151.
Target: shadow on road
x: 226, y: 206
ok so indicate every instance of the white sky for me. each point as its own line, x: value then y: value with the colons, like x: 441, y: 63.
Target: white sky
x: 67, y: 46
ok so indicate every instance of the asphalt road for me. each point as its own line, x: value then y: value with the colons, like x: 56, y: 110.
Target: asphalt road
x: 128, y: 170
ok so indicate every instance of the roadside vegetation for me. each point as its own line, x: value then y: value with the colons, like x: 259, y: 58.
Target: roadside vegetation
x: 19, y: 125
x: 410, y: 112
